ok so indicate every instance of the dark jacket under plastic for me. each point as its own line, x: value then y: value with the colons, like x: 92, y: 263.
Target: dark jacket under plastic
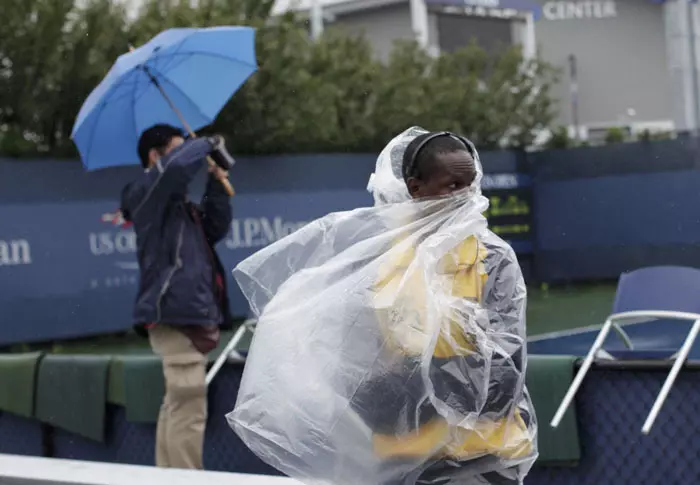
x: 176, y: 240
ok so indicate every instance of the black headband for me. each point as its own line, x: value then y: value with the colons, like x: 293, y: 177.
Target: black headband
x: 410, y: 167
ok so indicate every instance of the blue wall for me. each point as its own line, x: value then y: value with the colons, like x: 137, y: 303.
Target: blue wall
x: 66, y: 273
x: 601, y: 211
x: 571, y: 215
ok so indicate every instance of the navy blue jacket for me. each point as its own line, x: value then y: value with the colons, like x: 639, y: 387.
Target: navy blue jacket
x: 176, y: 241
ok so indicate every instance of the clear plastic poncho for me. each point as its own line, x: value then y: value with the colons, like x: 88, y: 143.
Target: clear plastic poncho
x: 390, y: 345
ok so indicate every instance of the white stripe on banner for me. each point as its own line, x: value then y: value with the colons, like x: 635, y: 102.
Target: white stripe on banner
x: 22, y: 470
x: 500, y: 181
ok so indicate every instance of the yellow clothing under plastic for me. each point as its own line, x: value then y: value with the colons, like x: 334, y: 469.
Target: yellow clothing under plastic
x: 401, y: 285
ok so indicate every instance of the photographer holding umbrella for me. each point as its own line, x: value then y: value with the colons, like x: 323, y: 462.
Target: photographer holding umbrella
x: 145, y: 102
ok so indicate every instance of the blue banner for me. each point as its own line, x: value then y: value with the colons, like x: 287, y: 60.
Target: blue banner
x: 67, y: 271
x: 596, y: 228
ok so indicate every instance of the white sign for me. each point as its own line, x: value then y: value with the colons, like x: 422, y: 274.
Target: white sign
x: 249, y: 232
x: 15, y: 253
x: 258, y: 232
x: 499, y: 181
x: 106, y: 243
x: 482, y: 3
x: 582, y: 10
x: 481, y: 8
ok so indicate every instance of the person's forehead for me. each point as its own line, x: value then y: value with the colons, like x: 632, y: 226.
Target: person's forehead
x: 456, y: 163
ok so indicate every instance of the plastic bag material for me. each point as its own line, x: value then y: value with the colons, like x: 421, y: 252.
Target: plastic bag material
x: 390, y: 345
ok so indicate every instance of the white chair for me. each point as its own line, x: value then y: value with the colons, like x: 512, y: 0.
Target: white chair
x: 663, y: 292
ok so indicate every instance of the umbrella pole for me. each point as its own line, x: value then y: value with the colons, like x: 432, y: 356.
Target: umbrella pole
x: 225, y: 182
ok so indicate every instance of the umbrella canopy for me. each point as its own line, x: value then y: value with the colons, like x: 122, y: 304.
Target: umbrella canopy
x: 197, y: 70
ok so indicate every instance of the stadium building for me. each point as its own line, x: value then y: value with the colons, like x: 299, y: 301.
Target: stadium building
x: 624, y: 63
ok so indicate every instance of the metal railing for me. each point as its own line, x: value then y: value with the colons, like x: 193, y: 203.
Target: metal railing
x: 24, y: 470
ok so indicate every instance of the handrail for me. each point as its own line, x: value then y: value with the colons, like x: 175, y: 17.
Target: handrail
x: 25, y: 470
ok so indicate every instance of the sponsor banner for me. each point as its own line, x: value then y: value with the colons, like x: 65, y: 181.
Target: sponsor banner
x: 69, y: 269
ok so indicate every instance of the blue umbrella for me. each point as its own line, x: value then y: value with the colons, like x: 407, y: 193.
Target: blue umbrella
x: 182, y: 77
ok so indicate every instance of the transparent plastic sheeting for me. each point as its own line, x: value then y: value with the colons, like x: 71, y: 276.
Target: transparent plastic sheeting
x: 390, y: 346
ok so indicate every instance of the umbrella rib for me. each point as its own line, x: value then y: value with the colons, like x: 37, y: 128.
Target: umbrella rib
x: 133, y: 111
x: 158, y: 73
x: 155, y: 57
x: 91, y: 138
x: 211, y: 54
x: 102, y: 105
x: 174, y: 85
x: 149, y: 63
x: 132, y: 76
x: 92, y: 131
x: 107, y: 97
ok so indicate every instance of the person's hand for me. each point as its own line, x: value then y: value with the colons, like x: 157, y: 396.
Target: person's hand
x: 218, y: 172
x: 217, y: 141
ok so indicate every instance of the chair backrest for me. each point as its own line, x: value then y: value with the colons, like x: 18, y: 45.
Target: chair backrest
x: 669, y: 288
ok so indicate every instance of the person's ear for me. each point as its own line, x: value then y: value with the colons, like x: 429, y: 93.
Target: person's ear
x: 414, y: 187
x: 153, y: 156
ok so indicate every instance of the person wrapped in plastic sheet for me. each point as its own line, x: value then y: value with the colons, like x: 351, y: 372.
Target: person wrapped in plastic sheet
x: 390, y: 346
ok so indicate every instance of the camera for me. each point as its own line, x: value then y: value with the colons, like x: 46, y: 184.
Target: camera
x: 220, y: 154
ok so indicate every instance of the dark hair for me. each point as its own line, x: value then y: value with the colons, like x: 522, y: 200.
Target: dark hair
x: 158, y: 137
x: 421, y: 154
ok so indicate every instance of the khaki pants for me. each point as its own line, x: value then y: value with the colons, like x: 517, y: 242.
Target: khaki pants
x: 183, y: 414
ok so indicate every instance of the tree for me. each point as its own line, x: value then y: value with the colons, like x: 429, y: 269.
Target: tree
x: 404, y: 95
x: 331, y: 95
x: 53, y: 54
x: 493, y: 100
x: 559, y: 138
x: 614, y: 135
x: 286, y: 106
x: 349, y: 75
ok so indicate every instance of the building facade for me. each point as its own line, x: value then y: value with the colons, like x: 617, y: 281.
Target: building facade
x: 624, y: 63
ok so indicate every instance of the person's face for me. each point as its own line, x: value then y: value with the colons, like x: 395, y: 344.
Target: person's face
x: 155, y: 155
x: 453, y: 171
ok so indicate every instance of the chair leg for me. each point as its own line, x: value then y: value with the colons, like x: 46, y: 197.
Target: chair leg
x: 227, y: 351
x: 581, y: 374
x: 671, y: 378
